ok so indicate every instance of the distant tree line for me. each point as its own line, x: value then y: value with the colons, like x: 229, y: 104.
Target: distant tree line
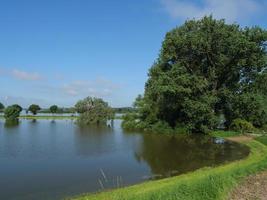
x: 123, y: 110
x: 58, y: 110
x: 91, y: 111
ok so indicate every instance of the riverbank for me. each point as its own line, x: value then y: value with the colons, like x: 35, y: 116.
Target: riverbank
x: 207, y: 183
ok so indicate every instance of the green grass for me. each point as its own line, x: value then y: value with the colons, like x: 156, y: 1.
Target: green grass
x: 224, y: 134
x: 262, y: 139
x: 207, y: 183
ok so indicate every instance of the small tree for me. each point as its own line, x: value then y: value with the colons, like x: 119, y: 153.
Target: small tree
x: 2, y: 107
x: 53, y: 109
x: 12, y: 113
x: 34, y: 108
x: 94, y: 111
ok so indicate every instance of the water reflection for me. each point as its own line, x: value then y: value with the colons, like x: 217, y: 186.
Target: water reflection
x: 11, y: 123
x: 93, y: 140
x: 169, y: 155
x: 33, y: 120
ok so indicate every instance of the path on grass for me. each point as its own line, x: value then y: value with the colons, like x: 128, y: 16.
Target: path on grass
x: 253, y: 187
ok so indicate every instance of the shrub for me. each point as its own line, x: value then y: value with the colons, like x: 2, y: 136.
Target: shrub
x: 93, y: 111
x: 241, y: 126
x: 34, y: 109
x: 129, y: 122
x: 162, y: 127
x: 12, y: 112
x: 247, y: 106
x: 181, y: 129
x: 53, y: 109
x: 2, y: 107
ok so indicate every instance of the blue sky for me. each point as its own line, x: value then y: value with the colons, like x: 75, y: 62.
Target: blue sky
x: 60, y: 51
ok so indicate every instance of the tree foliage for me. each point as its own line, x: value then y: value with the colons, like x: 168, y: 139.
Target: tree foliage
x: 251, y: 107
x: 242, y: 126
x: 34, y: 108
x: 18, y: 107
x: 2, y: 107
x: 53, y: 109
x: 12, y: 113
x: 94, y: 111
x: 204, y: 68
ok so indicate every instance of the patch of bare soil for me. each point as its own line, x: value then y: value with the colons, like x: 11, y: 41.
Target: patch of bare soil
x: 243, y: 138
x: 253, y: 187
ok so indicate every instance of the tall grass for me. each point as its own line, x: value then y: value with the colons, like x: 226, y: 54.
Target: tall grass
x: 204, y: 184
x: 262, y: 139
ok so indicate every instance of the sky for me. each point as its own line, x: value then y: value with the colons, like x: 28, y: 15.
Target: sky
x: 61, y: 51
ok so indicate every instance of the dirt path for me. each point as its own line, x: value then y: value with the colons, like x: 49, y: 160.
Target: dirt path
x: 253, y: 187
x: 243, y: 138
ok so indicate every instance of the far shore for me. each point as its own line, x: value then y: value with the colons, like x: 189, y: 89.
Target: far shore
x: 45, y: 117
x: 48, y: 117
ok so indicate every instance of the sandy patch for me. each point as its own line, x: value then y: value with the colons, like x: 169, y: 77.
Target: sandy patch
x: 254, y: 187
x: 242, y: 138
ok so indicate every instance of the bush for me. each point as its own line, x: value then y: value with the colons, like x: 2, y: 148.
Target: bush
x: 181, y: 129
x: 161, y: 127
x: 93, y: 111
x: 129, y: 122
x: 12, y: 113
x: 247, y: 106
x: 53, y: 109
x: 241, y: 126
x: 34, y: 109
x: 2, y: 107
x: 264, y: 127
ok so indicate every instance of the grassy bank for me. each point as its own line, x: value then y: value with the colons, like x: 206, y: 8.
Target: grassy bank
x: 207, y: 183
x: 262, y: 139
x: 224, y: 134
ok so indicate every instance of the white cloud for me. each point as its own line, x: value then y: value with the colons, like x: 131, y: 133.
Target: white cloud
x: 22, y: 101
x: 23, y: 75
x: 98, y: 88
x: 231, y: 10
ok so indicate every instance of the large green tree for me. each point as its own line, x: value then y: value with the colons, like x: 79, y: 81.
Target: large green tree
x: 200, y: 64
x: 94, y: 111
x: 34, y: 108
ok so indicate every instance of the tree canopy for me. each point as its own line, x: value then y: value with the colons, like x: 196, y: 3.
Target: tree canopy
x: 34, y: 108
x: 94, y: 111
x: 53, y: 109
x: 206, y: 68
x: 18, y: 107
x: 12, y: 113
x: 1, y: 106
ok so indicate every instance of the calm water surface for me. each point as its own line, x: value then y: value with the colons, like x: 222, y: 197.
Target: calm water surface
x: 55, y: 159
